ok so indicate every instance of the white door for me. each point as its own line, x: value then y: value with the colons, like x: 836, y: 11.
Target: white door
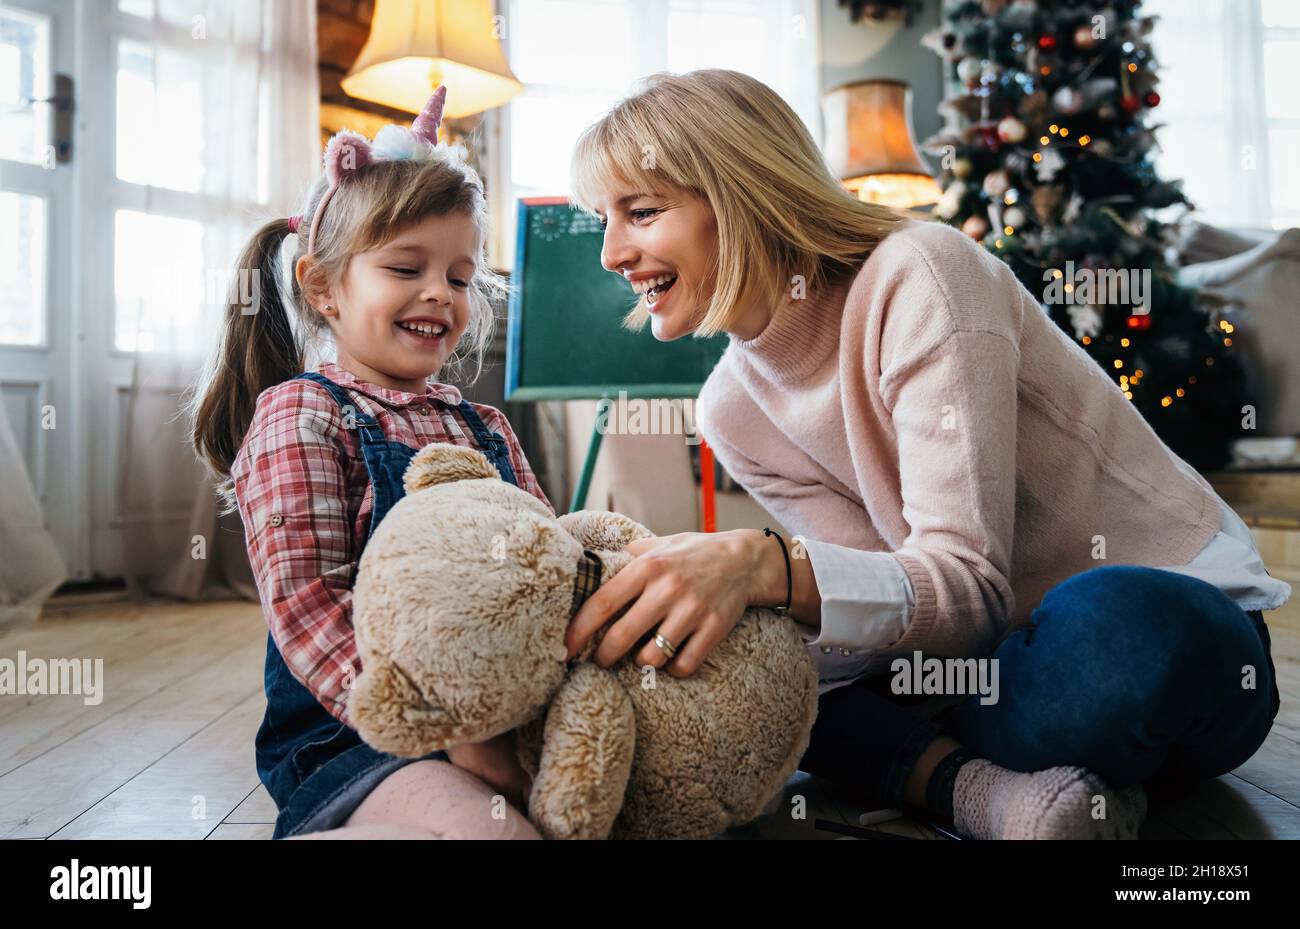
x: 41, y: 381
x: 90, y: 240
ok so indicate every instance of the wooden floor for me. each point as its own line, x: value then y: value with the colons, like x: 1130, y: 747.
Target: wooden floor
x: 168, y: 753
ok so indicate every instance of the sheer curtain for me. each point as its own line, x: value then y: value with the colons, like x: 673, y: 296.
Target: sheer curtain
x: 218, y: 106
x: 31, y: 568
x: 1229, y: 110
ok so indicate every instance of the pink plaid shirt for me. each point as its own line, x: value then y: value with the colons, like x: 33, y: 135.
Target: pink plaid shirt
x: 305, y: 499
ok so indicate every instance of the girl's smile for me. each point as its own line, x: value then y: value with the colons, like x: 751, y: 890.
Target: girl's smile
x: 427, y: 332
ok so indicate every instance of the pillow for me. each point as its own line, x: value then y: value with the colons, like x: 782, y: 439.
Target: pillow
x: 1260, y: 287
x: 1199, y: 242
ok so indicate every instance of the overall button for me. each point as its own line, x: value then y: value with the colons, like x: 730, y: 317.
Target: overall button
x: 826, y: 649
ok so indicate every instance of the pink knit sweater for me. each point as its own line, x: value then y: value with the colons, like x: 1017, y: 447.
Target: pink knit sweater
x: 924, y: 405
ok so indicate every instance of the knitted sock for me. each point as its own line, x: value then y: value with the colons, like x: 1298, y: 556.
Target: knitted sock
x: 938, y: 790
x: 991, y: 802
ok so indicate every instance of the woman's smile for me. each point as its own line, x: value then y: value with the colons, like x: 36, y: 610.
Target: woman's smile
x: 654, y: 286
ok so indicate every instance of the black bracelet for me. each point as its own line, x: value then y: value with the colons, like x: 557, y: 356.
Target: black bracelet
x: 789, y: 575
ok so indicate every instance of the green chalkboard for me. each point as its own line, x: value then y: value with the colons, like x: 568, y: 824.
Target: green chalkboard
x: 565, y: 338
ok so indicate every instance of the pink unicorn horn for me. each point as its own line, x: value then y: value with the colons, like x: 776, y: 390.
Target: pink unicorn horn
x: 430, y: 118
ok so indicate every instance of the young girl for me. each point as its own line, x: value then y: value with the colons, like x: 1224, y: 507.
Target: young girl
x: 389, y: 261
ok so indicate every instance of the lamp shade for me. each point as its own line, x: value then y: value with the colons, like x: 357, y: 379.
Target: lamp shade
x: 870, y: 145
x: 415, y: 45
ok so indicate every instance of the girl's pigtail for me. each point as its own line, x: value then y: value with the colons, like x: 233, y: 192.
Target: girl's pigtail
x: 258, y: 349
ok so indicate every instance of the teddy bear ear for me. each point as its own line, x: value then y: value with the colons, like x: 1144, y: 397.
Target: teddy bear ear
x: 442, y: 463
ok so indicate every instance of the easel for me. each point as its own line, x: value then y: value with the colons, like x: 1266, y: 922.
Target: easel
x: 707, y: 490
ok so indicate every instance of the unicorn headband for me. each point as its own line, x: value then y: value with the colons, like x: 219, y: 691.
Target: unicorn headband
x: 349, y: 152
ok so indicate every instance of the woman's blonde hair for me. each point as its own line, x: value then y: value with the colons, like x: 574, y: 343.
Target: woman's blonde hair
x: 264, y: 344
x: 782, y: 218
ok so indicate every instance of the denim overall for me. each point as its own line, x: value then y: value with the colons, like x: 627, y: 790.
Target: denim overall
x: 317, y: 769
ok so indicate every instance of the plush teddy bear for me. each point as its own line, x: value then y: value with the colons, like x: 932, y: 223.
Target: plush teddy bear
x: 460, y: 607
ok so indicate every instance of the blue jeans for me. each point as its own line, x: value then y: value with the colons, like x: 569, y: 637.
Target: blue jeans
x: 1132, y: 672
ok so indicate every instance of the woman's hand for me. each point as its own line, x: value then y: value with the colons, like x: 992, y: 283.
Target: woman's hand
x: 691, y: 587
x: 495, y: 763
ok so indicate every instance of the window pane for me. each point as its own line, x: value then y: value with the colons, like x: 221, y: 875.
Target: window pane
x: 1280, y: 12
x: 22, y: 269
x: 159, y: 125
x: 723, y: 37
x: 571, y: 42
x: 136, y: 7
x: 1192, y: 65
x: 1283, y: 159
x: 159, y: 287
x: 1282, y: 78
x: 24, y: 76
x: 172, y: 12
x: 558, y: 121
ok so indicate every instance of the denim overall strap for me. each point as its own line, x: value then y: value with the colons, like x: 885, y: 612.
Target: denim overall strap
x: 294, y: 717
x: 493, y: 445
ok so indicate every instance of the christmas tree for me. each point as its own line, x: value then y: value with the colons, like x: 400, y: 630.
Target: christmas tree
x: 1046, y: 161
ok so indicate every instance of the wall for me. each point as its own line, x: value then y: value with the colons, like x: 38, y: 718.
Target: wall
x: 856, y: 51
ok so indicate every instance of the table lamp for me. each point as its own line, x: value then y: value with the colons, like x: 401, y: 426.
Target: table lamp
x: 870, y: 145
x: 415, y: 45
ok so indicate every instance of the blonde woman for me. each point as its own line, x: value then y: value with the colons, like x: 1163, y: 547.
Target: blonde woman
x: 965, y: 480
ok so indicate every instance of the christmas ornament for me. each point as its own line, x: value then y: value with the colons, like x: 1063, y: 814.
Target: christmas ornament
x: 1011, y: 130
x: 1050, y: 163
x: 943, y: 42
x: 962, y: 167
x: 1046, y: 201
x: 1085, y: 319
x: 1084, y: 39
x: 1067, y: 100
x: 996, y: 183
x: 969, y: 70
x: 1033, y: 108
x: 977, y: 227
x: 950, y: 200
x: 1071, y: 212
x: 1014, y: 217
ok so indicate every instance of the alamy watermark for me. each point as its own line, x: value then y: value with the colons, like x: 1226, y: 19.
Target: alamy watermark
x: 103, y: 882
x: 1086, y: 286
x: 920, y: 675
x: 41, y: 676
x: 636, y: 416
